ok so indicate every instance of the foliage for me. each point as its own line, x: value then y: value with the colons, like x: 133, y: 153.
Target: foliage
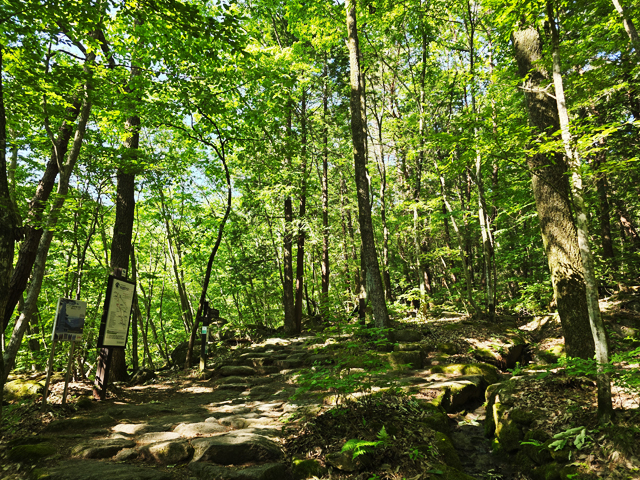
x: 361, y: 447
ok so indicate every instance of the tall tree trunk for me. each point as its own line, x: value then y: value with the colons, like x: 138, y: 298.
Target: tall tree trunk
x: 459, y: 237
x: 375, y: 289
x: 34, y: 220
x: 287, y: 254
x: 603, y: 380
x: 550, y: 189
x: 9, y: 220
x: 301, y: 219
x: 325, y: 267
x: 45, y: 241
x: 123, y: 227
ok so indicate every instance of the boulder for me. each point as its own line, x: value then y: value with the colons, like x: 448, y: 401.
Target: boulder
x: 307, y: 468
x: 490, y: 373
x: 20, y: 389
x: 143, y: 376
x: 155, y: 437
x: 31, y: 453
x: 169, y: 452
x: 406, y: 336
x: 201, y: 428
x: 343, y: 461
x: 236, y: 448
x: 237, y: 371
x: 268, y: 471
x: 92, y: 470
x: 179, y: 355
x: 106, y: 448
x: 457, y: 392
x: 401, y: 360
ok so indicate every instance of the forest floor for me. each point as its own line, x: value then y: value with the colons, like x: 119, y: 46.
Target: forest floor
x: 328, y: 404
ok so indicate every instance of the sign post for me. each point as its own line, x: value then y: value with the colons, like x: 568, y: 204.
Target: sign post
x: 114, y: 328
x: 68, y: 326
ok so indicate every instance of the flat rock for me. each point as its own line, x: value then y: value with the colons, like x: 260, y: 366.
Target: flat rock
x: 169, y: 452
x: 237, y: 371
x: 268, y: 471
x: 154, y: 437
x: 135, y: 428
x: 201, y: 428
x: 235, y: 448
x: 92, y: 470
x: 407, y: 336
x: 101, y: 448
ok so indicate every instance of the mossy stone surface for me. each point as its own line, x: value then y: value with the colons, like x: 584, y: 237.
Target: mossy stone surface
x: 447, y: 450
x: 452, y: 473
x: 21, y: 389
x: 29, y: 453
x: 438, y: 422
x: 549, y: 471
x: 488, y: 372
x: 303, y: 469
x: 538, y: 454
x: 79, y: 423
x: 400, y: 360
x: 448, y: 348
x: 522, y: 417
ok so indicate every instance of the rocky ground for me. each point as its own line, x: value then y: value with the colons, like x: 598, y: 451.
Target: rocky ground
x: 344, y: 403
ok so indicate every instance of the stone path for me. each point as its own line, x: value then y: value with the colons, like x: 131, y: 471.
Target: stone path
x: 228, y: 426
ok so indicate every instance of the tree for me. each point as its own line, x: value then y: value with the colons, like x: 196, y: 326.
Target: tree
x: 551, y: 191
x: 375, y: 289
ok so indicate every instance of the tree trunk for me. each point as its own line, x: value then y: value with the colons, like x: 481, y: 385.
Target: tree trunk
x: 9, y: 220
x: 550, y: 189
x: 287, y: 255
x: 123, y: 231
x: 325, y: 270
x: 375, y: 289
x: 45, y: 241
x: 603, y: 380
x: 628, y: 26
x: 301, y: 219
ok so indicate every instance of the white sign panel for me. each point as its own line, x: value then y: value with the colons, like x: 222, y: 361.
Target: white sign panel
x: 120, y: 301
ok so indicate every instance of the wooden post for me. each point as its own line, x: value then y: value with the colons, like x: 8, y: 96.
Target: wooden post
x: 49, y: 369
x: 66, y: 378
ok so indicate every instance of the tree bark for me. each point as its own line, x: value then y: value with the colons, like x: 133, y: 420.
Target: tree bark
x: 325, y: 267
x: 301, y: 219
x: 603, y: 380
x: 629, y: 26
x: 375, y: 289
x: 287, y: 255
x: 550, y: 189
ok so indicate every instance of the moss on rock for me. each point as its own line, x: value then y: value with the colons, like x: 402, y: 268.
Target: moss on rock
x: 488, y: 372
x: 447, y: 450
x: 307, y: 468
x: 29, y: 453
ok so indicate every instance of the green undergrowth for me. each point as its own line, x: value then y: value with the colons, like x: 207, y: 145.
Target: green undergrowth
x: 376, y: 432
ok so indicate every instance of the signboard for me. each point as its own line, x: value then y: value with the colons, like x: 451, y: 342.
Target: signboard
x: 69, y: 320
x: 114, y: 327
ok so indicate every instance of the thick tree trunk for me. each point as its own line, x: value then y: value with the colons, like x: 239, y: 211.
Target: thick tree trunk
x: 287, y: 255
x: 9, y: 220
x: 123, y: 231
x: 301, y: 219
x: 551, y: 192
x: 325, y: 267
x: 375, y: 289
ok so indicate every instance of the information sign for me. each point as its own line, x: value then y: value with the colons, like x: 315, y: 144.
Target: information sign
x: 114, y: 327
x: 69, y: 322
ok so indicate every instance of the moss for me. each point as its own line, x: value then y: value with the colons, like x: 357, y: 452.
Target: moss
x: 438, y: 422
x: 488, y: 372
x: 549, y: 471
x: 448, y: 348
x: 522, y: 417
x: 20, y: 389
x: 79, y: 423
x: 399, y: 360
x: 508, y: 433
x: 84, y: 403
x: 451, y: 473
x: 303, y: 469
x: 447, y: 450
x: 29, y: 453
x: 539, y: 454
x: 452, y: 327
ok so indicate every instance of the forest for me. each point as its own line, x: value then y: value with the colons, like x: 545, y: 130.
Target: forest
x: 293, y: 162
